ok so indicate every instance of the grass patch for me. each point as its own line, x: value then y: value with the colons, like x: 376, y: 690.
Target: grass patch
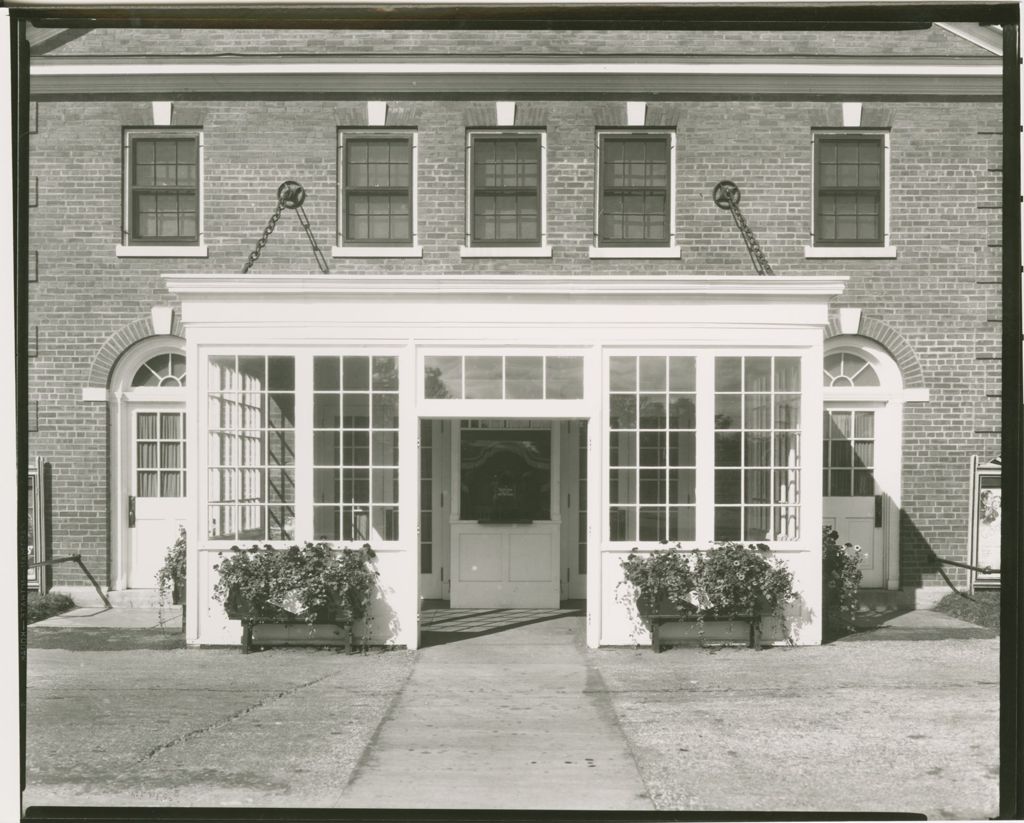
x: 982, y: 610
x: 41, y: 606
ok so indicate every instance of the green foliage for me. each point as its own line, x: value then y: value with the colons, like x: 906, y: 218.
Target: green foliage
x: 660, y: 576
x: 841, y: 577
x: 313, y: 580
x: 982, y: 608
x: 170, y: 579
x: 41, y: 606
x: 736, y: 579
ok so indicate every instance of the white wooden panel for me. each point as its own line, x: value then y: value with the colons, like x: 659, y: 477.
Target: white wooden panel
x: 481, y: 557
x: 531, y: 558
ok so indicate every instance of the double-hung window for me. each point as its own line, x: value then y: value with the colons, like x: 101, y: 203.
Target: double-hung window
x: 505, y: 208
x: 636, y: 195
x: 163, y: 211
x: 850, y: 195
x: 377, y: 194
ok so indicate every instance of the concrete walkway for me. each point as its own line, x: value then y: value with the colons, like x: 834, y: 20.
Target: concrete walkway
x: 516, y: 719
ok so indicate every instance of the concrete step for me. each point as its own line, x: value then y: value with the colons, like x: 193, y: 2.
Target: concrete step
x: 135, y: 598
x: 886, y: 600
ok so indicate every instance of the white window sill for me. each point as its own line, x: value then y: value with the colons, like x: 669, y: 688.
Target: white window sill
x: 376, y: 251
x: 851, y: 251
x: 635, y: 252
x: 505, y: 251
x: 162, y: 251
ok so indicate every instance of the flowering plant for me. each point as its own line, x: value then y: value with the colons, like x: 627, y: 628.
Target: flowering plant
x: 736, y: 579
x: 310, y: 581
x: 660, y: 579
x: 170, y: 579
x: 841, y: 576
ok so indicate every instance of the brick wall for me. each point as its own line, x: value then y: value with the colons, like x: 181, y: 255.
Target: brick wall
x: 941, y: 293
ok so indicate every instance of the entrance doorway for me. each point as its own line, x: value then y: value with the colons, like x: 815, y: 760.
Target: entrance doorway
x: 503, y: 512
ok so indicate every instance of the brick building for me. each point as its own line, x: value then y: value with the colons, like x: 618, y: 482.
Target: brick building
x: 531, y: 291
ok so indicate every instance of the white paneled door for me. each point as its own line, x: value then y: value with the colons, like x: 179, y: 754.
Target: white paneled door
x: 157, y: 489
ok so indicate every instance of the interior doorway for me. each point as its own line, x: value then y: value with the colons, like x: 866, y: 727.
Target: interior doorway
x: 503, y: 518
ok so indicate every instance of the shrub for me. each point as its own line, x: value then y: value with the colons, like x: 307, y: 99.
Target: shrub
x: 41, y: 606
x: 841, y: 577
x: 170, y: 580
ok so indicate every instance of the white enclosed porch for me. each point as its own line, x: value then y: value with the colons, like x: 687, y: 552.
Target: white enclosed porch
x: 701, y: 399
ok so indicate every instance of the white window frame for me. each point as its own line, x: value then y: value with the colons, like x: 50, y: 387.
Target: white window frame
x: 885, y: 250
x: 413, y: 248
x: 126, y: 248
x: 541, y: 248
x: 809, y: 430
x: 304, y: 467
x: 670, y: 251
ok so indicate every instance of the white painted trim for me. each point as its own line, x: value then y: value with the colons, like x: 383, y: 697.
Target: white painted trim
x: 849, y: 320
x: 634, y: 252
x: 851, y: 252
x: 162, y: 318
x: 851, y: 115
x: 362, y: 66
x: 505, y: 251
x: 505, y: 113
x: 309, y: 286
x: 377, y: 251
x: 202, y: 250
x: 376, y: 113
x: 92, y: 394
x: 636, y: 113
x: 162, y: 110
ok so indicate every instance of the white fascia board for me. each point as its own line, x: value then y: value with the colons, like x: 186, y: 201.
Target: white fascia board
x: 309, y: 286
x: 76, y: 68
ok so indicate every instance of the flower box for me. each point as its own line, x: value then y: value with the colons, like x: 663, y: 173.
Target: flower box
x: 238, y: 607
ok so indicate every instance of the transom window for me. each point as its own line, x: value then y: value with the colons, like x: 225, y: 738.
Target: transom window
x: 355, y: 448
x: 377, y: 189
x: 160, y: 454
x: 849, y: 454
x: 635, y: 189
x: 165, y: 370
x: 849, y: 195
x: 508, y: 377
x: 506, y: 189
x: 652, y: 484
x: 251, y: 448
x: 844, y: 369
x: 163, y: 188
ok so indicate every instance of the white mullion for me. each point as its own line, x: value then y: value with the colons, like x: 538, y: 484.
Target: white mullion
x: 340, y: 207
x: 705, y: 447
x: 543, y: 188
x: 303, y: 446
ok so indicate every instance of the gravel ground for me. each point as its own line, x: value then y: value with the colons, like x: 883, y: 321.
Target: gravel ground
x: 854, y: 727
x: 198, y: 727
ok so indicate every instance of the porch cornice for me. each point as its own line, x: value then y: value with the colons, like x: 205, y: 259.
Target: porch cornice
x: 307, y: 287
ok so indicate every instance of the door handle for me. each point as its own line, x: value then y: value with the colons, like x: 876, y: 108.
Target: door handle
x: 131, y: 511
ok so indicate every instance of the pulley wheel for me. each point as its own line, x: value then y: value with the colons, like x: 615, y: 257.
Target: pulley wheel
x: 725, y: 194
x: 290, y: 194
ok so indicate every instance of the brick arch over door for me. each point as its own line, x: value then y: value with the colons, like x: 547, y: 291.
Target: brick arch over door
x: 893, y: 342
x: 118, y: 343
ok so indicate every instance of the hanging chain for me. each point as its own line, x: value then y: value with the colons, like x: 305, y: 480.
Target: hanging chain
x: 727, y: 196
x: 290, y: 195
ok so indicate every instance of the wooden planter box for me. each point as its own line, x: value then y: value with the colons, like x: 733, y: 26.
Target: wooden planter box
x: 662, y: 611
x: 238, y: 608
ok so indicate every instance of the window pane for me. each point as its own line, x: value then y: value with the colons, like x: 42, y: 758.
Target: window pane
x: 652, y: 373
x: 385, y: 449
x: 727, y: 523
x: 443, y: 377
x: 385, y: 411
x: 682, y: 411
x: 356, y: 411
x: 727, y: 486
x: 728, y: 411
x: 622, y: 486
x: 564, y: 379
x: 682, y: 374
x: 326, y: 411
x: 622, y: 523
x: 652, y: 411
x: 757, y: 523
x: 326, y: 525
x: 652, y: 449
x: 385, y: 374
x: 728, y: 371
x: 483, y: 377
x: 727, y: 448
x: 355, y: 450
x: 682, y: 449
x: 682, y: 486
x: 623, y: 449
x: 682, y: 523
x: 355, y: 373
x: 622, y: 411
x: 524, y: 377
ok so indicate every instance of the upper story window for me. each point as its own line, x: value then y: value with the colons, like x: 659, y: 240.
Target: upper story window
x: 377, y: 192
x: 163, y: 212
x: 636, y: 195
x: 505, y: 194
x: 850, y: 214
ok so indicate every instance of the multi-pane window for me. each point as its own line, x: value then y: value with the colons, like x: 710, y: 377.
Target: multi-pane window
x: 166, y: 370
x: 505, y: 189
x: 160, y: 454
x: 844, y: 370
x: 163, y: 188
x: 652, y: 448
x: 849, y: 178
x: 635, y: 201
x: 497, y: 377
x: 377, y: 189
x: 251, y: 420
x: 757, y: 448
x: 849, y: 454
x: 355, y: 448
